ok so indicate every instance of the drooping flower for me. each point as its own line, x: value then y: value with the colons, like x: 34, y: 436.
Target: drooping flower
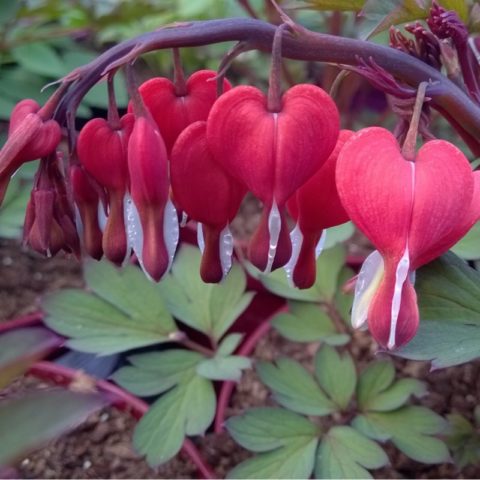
x: 31, y: 135
x: 412, y: 212
x: 273, y: 153
x: 152, y: 216
x: 315, y: 206
x: 205, y: 191
x: 87, y: 200
x: 102, y: 150
x: 173, y: 111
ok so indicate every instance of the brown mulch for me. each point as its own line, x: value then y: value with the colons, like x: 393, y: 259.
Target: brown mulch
x: 101, y: 448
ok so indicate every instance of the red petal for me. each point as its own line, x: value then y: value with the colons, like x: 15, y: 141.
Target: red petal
x: 273, y: 153
x: 173, y: 113
x: 379, y: 313
x: 200, y: 185
x: 443, y: 190
x: 375, y: 184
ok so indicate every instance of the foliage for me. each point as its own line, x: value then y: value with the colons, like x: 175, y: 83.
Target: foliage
x: 367, y: 411
x: 122, y: 310
x: 449, y: 334
x: 463, y: 438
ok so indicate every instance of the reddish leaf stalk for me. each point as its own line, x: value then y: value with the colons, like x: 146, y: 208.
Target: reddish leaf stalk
x: 28, y: 320
x: 246, y: 349
x: 121, y: 399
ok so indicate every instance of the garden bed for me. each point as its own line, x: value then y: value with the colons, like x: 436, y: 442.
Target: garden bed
x: 101, y: 448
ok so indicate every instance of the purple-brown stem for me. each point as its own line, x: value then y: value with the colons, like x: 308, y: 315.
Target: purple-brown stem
x: 120, y: 399
x: 305, y: 45
x: 113, y: 116
x: 274, y: 102
x: 178, y: 75
x: 28, y: 320
x: 409, y: 150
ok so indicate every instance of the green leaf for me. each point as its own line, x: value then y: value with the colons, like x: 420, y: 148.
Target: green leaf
x: 39, y: 58
x: 463, y: 440
x: 343, y: 301
x: 376, y: 378
x: 363, y: 425
x: 346, y: 453
x: 209, y: 308
x: 229, y: 344
x: 21, y: 347
x: 468, y: 247
x: 129, y: 290
x: 40, y: 417
x: 12, y: 210
x: 8, y: 10
x: 336, y: 5
x: 156, y: 372
x: 294, y: 387
x: 411, y: 429
x: 336, y: 374
x: 307, y: 322
x: 329, y: 265
x: 340, y: 233
x: 121, y: 313
x: 397, y: 395
x: 288, y: 442
x: 6, y: 107
x: 449, y: 301
x: 186, y: 409
x: 223, y: 368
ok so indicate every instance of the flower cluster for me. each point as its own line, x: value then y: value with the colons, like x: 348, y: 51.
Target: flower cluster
x: 192, y: 149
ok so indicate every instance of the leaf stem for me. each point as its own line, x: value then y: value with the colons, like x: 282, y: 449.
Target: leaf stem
x: 196, y: 347
x: 121, y: 399
x: 245, y: 350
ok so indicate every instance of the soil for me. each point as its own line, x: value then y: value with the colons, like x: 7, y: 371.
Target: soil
x: 101, y: 447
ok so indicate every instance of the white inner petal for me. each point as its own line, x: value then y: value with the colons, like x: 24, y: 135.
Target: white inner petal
x: 321, y: 244
x: 200, y: 238
x: 102, y: 218
x: 171, y: 231
x: 226, y: 250
x: 412, y: 276
x: 296, y: 238
x: 368, y: 280
x: 134, y: 231
x: 274, y: 227
x: 400, y: 277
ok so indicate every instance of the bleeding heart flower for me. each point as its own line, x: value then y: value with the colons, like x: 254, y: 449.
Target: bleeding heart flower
x: 87, y: 201
x: 173, y: 111
x: 412, y: 212
x: 273, y: 154
x: 152, y: 218
x: 102, y: 150
x: 30, y: 136
x: 203, y: 190
x: 315, y: 206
